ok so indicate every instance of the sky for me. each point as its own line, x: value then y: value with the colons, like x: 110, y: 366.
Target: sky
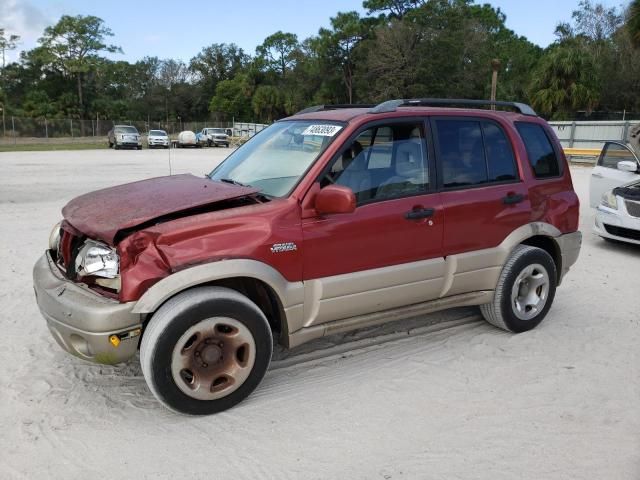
x: 170, y: 29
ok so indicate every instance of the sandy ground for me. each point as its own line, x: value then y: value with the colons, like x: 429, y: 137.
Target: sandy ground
x: 441, y: 397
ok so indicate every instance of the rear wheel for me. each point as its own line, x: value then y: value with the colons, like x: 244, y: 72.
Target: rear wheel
x: 526, y: 289
x: 205, y: 350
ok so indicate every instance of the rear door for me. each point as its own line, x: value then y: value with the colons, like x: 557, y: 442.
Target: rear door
x: 606, y: 176
x: 483, y: 196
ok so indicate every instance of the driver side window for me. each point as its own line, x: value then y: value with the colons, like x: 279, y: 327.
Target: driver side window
x: 615, y: 153
x: 382, y: 163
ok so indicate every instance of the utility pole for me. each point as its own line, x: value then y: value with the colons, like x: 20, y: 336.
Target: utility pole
x: 495, y: 66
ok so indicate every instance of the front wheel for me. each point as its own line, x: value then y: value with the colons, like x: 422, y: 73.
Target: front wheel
x: 205, y: 350
x: 526, y: 289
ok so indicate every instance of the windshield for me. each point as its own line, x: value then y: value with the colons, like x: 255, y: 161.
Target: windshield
x: 126, y: 130
x: 158, y: 133
x: 275, y: 158
x: 216, y: 130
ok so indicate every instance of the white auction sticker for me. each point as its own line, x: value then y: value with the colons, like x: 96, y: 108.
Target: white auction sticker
x: 322, y: 130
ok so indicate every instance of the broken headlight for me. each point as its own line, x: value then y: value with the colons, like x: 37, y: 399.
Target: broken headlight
x: 98, y: 260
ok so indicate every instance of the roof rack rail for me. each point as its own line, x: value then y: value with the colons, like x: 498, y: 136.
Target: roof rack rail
x: 392, y: 105
x: 337, y: 106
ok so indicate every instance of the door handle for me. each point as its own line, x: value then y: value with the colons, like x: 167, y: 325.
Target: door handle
x: 419, y: 213
x: 512, y: 198
x: 597, y: 175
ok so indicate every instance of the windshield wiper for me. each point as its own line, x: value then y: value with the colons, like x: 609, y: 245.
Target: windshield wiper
x: 234, y: 182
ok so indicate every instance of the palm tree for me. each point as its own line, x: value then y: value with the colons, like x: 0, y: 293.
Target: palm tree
x: 564, y: 82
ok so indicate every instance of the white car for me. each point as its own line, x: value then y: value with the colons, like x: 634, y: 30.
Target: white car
x: 187, y: 139
x: 615, y: 193
x: 618, y: 215
x: 158, y: 138
x: 617, y: 165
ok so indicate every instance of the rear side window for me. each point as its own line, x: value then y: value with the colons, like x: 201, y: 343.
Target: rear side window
x: 474, y: 152
x: 461, y: 153
x: 542, y: 156
x: 500, y: 160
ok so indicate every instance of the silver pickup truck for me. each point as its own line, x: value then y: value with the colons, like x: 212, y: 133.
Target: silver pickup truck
x: 124, y: 136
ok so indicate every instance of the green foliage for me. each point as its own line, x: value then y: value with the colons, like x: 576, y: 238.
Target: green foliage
x: 394, y: 8
x: 72, y: 46
x: 279, y: 51
x: 7, y: 43
x: 564, y: 82
x: 233, y: 97
x: 404, y: 48
x: 267, y: 102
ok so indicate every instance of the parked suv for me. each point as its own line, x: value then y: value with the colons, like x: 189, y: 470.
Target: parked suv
x: 327, y: 221
x: 124, y: 136
x: 158, y: 138
x: 214, y: 137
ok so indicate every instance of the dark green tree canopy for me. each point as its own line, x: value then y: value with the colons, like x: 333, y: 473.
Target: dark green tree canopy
x: 401, y: 48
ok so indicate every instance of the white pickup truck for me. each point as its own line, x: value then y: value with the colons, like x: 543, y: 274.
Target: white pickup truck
x: 214, y: 137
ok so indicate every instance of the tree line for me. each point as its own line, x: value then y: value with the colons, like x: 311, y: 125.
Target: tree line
x: 399, y: 49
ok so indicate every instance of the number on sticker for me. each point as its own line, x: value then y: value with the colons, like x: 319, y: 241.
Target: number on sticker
x: 322, y: 130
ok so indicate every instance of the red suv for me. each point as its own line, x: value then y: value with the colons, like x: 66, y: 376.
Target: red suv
x: 337, y: 218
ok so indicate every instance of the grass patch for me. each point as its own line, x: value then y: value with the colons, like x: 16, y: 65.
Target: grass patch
x: 44, y: 147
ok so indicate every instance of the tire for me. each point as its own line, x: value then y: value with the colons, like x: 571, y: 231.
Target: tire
x: 189, y: 330
x: 208, y: 143
x: 116, y: 146
x: 523, y: 308
x: 139, y: 147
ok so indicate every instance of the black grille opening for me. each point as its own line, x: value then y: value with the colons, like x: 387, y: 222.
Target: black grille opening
x: 633, y: 208
x: 623, y: 232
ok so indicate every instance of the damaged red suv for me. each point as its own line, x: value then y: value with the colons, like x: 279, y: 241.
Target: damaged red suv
x: 337, y: 218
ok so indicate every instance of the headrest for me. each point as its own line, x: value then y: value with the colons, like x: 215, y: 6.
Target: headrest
x: 408, y: 158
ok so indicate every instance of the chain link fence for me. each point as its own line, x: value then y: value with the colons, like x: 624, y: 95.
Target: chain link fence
x: 14, y: 130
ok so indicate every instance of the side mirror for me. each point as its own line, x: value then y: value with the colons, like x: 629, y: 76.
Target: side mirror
x: 628, y: 166
x: 335, y: 199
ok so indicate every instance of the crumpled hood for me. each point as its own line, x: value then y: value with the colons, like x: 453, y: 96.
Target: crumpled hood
x: 102, y: 214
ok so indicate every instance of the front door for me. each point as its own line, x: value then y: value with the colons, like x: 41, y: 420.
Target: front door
x: 606, y: 176
x: 388, y: 252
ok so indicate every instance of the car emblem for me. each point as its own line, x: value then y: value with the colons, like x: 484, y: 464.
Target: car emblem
x: 283, y: 247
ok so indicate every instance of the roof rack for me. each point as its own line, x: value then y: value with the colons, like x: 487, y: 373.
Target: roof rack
x: 392, y: 105
x: 337, y: 106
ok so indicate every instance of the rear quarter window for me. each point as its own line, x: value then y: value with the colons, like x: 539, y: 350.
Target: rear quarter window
x: 542, y: 156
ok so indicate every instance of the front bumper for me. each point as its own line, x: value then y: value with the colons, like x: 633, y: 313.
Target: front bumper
x: 83, y: 322
x: 617, y: 224
x: 569, y: 244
